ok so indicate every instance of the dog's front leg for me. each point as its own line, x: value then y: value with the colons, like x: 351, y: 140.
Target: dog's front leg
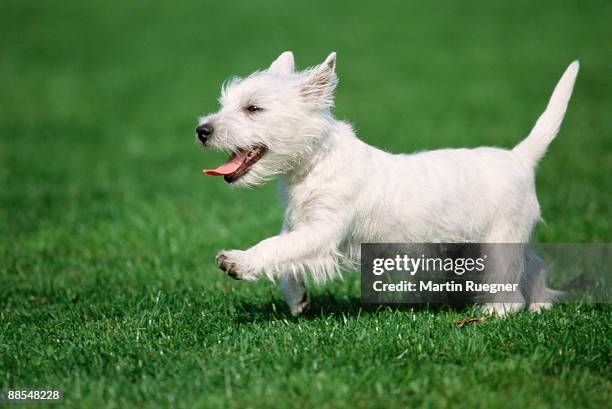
x: 311, y: 248
x: 294, y: 292
x: 293, y: 286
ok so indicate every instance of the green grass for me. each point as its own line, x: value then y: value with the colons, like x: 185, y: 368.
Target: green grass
x: 108, y: 230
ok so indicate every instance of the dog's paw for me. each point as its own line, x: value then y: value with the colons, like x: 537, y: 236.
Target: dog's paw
x: 299, y: 307
x: 501, y: 309
x: 233, y: 262
x: 540, y: 306
x: 224, y: 264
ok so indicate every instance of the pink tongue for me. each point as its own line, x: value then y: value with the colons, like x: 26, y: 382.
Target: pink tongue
x: 230, y: 166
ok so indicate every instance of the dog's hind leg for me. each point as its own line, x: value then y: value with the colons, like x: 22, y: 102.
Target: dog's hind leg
x: 505, y: 265
x: 505, y: 250
x: 538, y: 295
x: 295, y: 293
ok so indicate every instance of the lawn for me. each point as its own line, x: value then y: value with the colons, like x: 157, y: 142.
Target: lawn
x: 108, y: 230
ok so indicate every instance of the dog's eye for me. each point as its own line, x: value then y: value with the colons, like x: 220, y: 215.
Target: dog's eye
x: 253, y: 108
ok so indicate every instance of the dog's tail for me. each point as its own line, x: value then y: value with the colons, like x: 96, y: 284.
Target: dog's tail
x: 546, y: 128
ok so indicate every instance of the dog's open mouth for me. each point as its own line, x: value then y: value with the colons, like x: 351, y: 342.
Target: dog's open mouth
x: 238, y: 163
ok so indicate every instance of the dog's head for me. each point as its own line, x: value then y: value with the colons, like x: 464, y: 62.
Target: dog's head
x: 271, y: 122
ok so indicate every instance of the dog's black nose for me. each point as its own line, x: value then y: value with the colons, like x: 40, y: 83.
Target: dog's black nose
x: 204, y: 131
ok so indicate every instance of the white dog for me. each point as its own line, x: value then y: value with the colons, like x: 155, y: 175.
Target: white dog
x: 339, y: 192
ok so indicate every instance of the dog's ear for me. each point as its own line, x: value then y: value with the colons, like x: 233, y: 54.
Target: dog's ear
x: 320, y: 83
x: 284, y: 64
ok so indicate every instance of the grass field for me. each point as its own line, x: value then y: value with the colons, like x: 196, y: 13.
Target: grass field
x: 108, y: 230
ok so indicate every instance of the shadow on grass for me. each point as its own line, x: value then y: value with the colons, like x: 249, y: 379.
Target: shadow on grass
x: 329, y: 306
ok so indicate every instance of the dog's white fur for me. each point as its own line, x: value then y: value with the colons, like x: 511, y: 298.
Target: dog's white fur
x: 340, y: 192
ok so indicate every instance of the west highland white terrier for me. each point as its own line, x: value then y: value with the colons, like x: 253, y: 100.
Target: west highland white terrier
x: 339, y: 192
